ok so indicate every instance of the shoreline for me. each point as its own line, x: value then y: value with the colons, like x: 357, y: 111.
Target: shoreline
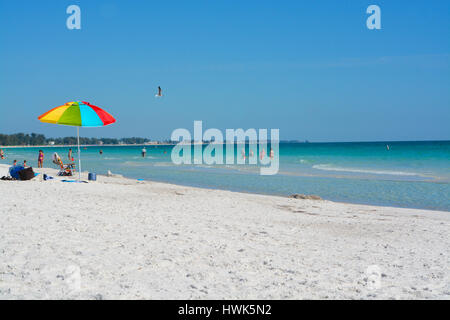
x: 128, y: 239
x: 85, y: 173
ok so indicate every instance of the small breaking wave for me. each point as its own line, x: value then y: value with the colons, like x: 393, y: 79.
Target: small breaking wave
x: 133, y: 164
x: 141, y: 157
x: 328, y: 167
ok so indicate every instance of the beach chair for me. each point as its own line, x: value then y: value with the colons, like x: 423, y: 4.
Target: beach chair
x: 65, y: 169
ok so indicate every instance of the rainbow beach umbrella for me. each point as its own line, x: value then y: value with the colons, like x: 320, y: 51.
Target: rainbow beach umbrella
x: 78, y: 114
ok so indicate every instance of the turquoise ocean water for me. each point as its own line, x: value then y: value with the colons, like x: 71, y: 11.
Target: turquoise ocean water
x: 409, y: 174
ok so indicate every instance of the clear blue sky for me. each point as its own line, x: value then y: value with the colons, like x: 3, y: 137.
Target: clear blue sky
x: 310, y: 68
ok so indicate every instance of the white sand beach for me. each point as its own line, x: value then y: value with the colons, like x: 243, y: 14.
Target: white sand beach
x: 122, y: 239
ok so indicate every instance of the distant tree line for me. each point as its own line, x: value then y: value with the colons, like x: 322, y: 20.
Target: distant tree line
x: 34, y: 139
x: 22, y: 139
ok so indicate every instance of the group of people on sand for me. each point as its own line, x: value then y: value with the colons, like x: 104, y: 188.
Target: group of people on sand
x: 40, y: 161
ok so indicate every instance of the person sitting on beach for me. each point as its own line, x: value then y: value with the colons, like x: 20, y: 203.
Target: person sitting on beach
x: 41, y: 159
x: 25, y: 163
x: 56, y: 159
x: 15, y: 163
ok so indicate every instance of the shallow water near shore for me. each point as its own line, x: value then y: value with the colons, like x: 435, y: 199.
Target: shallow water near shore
x: 408, y: 174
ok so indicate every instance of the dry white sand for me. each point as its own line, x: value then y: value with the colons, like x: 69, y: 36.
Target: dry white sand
x: 118, y: 238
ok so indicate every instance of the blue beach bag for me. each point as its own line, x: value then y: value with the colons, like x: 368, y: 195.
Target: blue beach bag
x: 14, y: 171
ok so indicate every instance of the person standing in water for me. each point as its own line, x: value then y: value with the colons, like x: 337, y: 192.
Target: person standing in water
x: 271, y: 153
x: 144, y: 152
x: 101, y: 151
x: 262, y: 154
x: 41, y: 159
x: 2, y: 155
x: 243, y: 153
x: 70, y: 155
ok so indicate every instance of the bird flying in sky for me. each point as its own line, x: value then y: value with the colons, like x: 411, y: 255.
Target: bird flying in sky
x: 159, y: 94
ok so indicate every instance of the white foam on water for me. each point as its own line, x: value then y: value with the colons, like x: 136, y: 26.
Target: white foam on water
x: 141, y: 157
x: 163, y: 164
x: 204, y: 166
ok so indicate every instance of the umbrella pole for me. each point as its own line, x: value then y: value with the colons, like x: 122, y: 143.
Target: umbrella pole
x: 79, y: 154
